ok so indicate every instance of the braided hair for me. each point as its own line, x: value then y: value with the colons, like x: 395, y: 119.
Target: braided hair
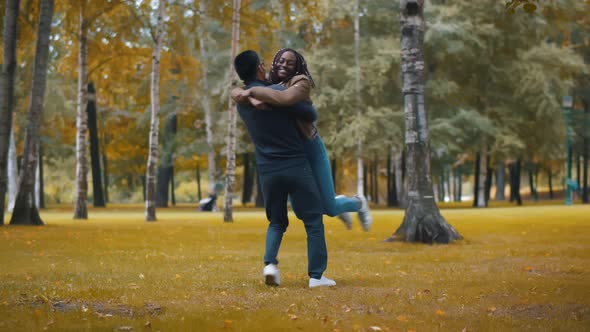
x: 300, y: 67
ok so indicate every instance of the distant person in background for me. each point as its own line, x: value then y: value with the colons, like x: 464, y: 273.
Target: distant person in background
x: 208, y: 203
x: 289, y: 69
x: 284, y: 172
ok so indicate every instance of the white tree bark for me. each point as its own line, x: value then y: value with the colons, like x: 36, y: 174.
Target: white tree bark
x: 152, y: 162
x: 357, y: 66
x: 12, y: 172
x: 230, y: 177
x: 25, y: 211
x: 80, y: 208
x: 422, y: 220
x: 205, y: 100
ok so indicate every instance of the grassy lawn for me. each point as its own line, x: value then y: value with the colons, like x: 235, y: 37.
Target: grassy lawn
x: 525, y: 268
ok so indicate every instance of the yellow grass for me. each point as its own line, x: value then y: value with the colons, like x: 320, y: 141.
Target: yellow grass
x: 518, y: 269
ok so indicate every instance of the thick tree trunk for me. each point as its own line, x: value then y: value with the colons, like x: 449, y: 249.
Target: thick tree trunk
x: 80, y: 208
x: 361, y: 185
x: 166, y: 164
x: 500, y: 181
x: 152, y: 162
x: 7, y: 78
x: 422, y: 221
x: 25, y: 211
x: 205, y: 100
x: 231, y: 132
x: 97, y: 193
x: 12, y: 173
x: 199, y: 194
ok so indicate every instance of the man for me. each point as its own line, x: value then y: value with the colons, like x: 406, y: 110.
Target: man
x: 284, y: 171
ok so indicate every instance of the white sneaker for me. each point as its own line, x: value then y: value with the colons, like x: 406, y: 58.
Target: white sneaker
x: 345, y: 216
x: 365, y: 213
x: 271, y: 275
x: 324, y: 282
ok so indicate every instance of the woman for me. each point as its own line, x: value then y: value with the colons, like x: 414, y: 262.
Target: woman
x: 290, y: 70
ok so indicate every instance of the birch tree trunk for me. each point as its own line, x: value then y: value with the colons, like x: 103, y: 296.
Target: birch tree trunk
x: 25, y: 211
x: 422, y: 221
x: 12, y: 172
x: 80, y: 208
x: 7, y: 95
x: 152, y: 162
x: 205, y: 100
x: 360, y: 172
x: 230, y: 177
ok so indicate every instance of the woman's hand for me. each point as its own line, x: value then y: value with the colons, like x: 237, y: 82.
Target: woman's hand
x: 240, y: 95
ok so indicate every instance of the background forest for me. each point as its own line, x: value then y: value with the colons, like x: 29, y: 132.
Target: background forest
x: 495, y: 83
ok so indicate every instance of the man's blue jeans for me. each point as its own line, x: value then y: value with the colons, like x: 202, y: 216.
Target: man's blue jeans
x: 297, y: 182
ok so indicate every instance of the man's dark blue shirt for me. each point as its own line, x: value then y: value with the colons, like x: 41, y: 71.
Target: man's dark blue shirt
x: 278, y: 142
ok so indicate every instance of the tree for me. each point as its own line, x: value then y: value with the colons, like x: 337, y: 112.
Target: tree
x: 152, y: 162
x: 360, y: 184
x: 7, y: 93
x: 97, y: 192
x: 80, y: 208
x: 25, y: 211
x: 422, y: 221
x: 231, y: 131
x: 205, y: 100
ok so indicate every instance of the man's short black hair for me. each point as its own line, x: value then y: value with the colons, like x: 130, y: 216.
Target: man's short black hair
x: 246, y: 64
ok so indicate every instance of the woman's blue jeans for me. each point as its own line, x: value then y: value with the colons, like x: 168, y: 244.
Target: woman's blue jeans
x: 322, y: 173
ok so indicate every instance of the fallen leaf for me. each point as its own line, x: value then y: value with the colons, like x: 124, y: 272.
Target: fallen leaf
x: 374, y: 328
x: 293, y: 317
x: 402, y: 318
x: 440, y: 312
x: 528, y: 268
x: 227, y: 323
x: 125, y: 328
x: 178, y: 276
x: 141, y: 276
x: 148, y: 324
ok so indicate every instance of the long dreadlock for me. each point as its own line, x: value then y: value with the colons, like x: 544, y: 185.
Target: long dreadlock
x: 300, y: 67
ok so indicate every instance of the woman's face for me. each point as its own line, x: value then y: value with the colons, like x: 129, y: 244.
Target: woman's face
x: 286, y: 65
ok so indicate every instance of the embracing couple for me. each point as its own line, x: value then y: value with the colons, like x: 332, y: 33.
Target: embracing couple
x: 292, y: 160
